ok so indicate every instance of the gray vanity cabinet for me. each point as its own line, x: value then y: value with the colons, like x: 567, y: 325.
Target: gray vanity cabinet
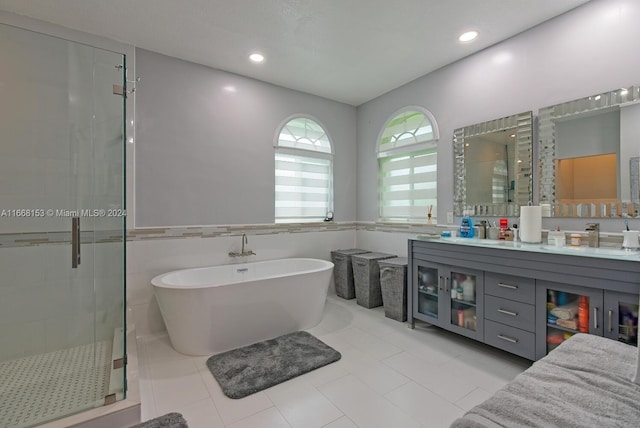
x: 449, y: 297
x: 522, y: 298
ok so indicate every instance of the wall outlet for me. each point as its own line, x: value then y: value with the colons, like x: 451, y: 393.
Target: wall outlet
x: 449, y: 217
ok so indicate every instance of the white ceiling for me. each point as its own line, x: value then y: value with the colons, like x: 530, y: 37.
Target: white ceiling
x: 346, y: 50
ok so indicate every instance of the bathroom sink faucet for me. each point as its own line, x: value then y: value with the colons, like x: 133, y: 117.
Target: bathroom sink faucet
x: 242, y: 252
x: 593, y: 230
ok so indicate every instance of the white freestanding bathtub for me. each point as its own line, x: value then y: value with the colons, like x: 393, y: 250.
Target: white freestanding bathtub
x: 214, y: 309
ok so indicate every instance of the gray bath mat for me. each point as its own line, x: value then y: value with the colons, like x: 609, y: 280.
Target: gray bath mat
x: 252, y: 368
x: 170, y: 420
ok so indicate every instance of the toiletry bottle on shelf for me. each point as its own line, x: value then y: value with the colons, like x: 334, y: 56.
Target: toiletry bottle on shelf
x: 468, y: 290
x: 454, y: 285
x: 583, y: 315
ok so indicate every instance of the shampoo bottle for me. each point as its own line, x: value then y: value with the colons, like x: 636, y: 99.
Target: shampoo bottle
x: 583, y: 314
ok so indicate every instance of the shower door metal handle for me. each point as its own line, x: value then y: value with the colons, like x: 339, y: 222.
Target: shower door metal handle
x: 75, y: 242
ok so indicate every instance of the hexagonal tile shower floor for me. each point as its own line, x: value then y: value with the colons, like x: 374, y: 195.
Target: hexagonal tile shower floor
x: 48, y: 386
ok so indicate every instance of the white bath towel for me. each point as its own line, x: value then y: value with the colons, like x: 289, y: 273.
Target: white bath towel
x: 566, y: 312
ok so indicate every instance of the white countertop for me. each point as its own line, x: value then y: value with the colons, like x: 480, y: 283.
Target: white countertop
x: 583, y: 251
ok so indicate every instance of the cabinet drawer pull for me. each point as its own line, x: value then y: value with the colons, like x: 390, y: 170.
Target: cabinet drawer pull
x: 507, y: 338
x: 338, y: 258
x: 610, y: 316
x: 361, y: 263
x: 595, y: 318
x: 509, y: 286
x: 504, y: 311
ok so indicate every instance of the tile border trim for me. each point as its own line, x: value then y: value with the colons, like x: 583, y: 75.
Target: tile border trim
x: 28, y: 239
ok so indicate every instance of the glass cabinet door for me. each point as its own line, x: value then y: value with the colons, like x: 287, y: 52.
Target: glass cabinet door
x: 429, y: 284
x: 567, y: 310
x: 621, y: 317
x: 463, y: 292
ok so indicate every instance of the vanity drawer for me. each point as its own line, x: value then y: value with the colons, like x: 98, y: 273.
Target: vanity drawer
x: 515, y: 314
x: 510, y: 287
x: 510, y: 339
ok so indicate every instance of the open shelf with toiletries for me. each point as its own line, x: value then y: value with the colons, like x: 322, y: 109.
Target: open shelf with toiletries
x: 526, y: 300
x: 446, y: 296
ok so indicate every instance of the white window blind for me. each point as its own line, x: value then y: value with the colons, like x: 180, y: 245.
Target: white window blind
x: 499, y: 183
x: 408, y: 186
x: 407, y: 167
x: 303, y: 173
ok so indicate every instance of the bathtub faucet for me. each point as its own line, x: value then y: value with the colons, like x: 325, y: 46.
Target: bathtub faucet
x: 242, y: 251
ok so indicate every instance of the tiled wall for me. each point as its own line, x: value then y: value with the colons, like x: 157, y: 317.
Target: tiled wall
x: 45, y: 305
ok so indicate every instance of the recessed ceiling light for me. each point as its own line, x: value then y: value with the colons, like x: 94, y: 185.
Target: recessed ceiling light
x: 468, y: 36
x: 256, y: 57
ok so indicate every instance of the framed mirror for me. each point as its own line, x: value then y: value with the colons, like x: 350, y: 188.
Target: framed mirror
x: 589, y: 156
x: 493, y: 166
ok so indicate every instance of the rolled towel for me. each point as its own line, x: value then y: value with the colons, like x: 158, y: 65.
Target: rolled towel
x: 566, y: 312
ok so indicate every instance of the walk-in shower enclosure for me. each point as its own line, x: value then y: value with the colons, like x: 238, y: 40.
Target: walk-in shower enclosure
x: 62, y: 227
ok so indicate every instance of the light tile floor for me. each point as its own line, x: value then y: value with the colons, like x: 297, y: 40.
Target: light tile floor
x: 389, y: 376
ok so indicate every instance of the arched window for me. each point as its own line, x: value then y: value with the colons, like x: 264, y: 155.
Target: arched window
x: 303, y: 172
x: 407, y: 166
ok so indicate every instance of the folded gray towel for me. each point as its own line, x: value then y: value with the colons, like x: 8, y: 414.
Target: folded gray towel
x: 584, y: 382
x: 170, y: 420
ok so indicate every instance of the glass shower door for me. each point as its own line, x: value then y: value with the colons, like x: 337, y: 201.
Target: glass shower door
x: 62, y: 288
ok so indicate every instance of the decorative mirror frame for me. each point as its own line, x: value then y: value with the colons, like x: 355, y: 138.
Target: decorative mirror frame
x: 547, y: 118
x: 523, y: 124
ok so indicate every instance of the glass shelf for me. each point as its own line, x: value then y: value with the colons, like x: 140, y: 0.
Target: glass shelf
x: 464, y: 302
x: 428, y: 293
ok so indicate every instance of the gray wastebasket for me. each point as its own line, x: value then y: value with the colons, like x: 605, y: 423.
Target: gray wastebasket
x: 393, y: 282
x: 366, y: 276
x: 343, y: 272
